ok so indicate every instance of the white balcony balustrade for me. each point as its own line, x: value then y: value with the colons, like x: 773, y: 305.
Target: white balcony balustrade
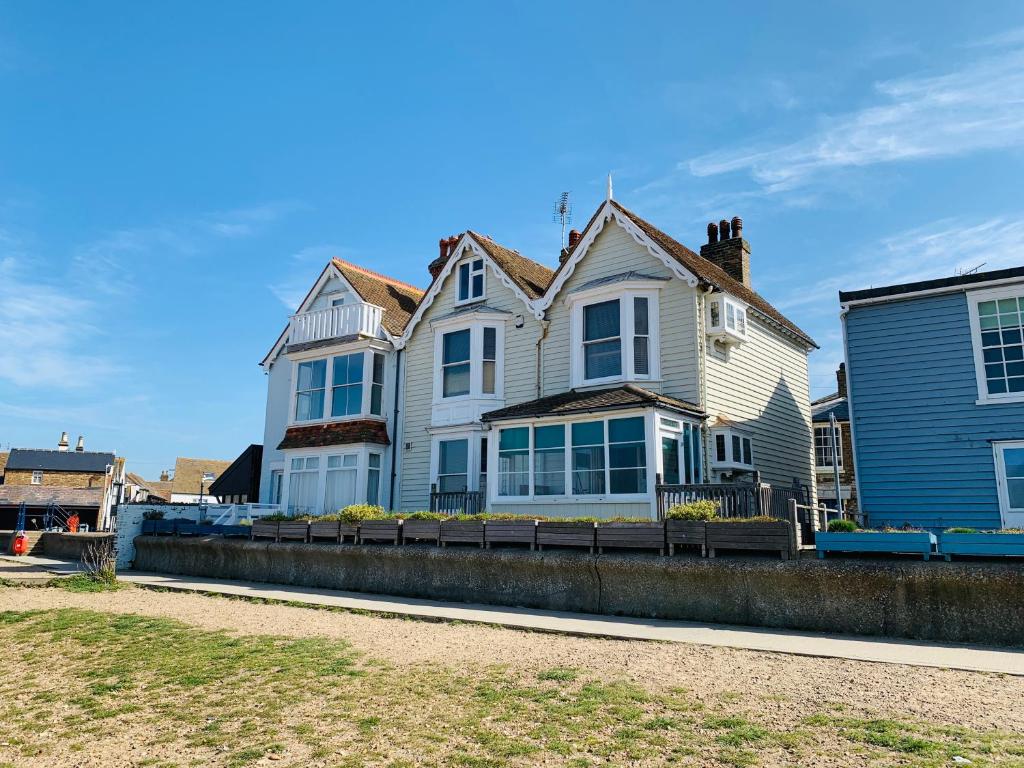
x: 335, y: 322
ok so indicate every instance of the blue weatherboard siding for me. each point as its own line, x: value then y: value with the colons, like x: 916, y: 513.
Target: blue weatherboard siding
x: 923, y: 447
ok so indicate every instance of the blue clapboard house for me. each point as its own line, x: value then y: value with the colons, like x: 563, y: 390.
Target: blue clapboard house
x: 935, y: 375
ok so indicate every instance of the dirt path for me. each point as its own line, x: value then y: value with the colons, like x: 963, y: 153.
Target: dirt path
x: 766, y: 681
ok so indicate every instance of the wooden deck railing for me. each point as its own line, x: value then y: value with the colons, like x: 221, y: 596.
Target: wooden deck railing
x: 735, y: 499
x: 456, y: 502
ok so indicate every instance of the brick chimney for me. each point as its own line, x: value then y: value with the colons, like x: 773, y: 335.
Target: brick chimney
x: 841, y: 380
x: 727, y: 248
x: 574, y: 239
x: 62, y: 444
x: 445, y: 247
x: 80, y: 446
x: 164, y: 477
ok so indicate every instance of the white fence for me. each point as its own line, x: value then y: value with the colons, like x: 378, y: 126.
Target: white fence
x: 332, y: 322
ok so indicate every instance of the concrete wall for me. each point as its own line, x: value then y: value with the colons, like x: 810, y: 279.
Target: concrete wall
x: 71, y: 546
x: 129, y: 525
x: 954, y: 602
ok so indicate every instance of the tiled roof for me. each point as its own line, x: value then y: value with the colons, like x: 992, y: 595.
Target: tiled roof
x: 338, y: 433
x: 704, y: 270
x: 189, y: 472
x: 59, y: 461
x: 41, y: 495
x: 820, y: 409
x: 398, y: 299
x: 3, y: 461
x: 573, y: 401
x: 531, y: 277
x: 158, y: 488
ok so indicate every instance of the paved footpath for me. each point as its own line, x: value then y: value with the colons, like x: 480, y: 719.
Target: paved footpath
x: 886, y: 650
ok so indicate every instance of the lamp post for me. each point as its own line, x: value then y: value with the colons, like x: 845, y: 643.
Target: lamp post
x: 835, y: 462
x: 206, y: 478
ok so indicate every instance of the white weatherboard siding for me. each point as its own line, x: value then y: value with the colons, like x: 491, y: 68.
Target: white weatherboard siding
x: 614, y: 252
x: 279, y: 389
x: 520, y: 379
x: 763, y: 387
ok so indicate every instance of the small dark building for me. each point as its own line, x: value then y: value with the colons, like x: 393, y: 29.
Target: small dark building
x: 240, y: 482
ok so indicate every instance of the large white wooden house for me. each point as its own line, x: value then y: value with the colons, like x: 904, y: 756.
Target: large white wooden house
x: 515, y: 387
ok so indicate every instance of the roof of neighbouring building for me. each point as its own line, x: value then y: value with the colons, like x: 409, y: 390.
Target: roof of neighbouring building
x: 41, y: 495
x: 930, y: 285
x: 3, y: 460
x: 188, y: 473
x: 398, y: 299
x: 339, y: 433
x: 703, y: 270
x: 59, y: 461
x: 159, y: 488
x: 243, y: 476
x: 820, y: 409
x: 574, y: 401
x: 531, y: 277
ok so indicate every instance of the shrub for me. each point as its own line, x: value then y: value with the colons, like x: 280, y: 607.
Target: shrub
x: 355, y: 513
x: 961, y: 530
x: 420, y: 516
x: 627, y: 520
x: 99, y: 563
x: 153, y: 514
x: 705, y: 509
x: 841, y: 526
x: 754, y: 519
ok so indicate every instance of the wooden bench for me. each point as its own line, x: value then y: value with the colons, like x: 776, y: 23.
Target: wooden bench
x: 553, y: 534
x: 631, y: 536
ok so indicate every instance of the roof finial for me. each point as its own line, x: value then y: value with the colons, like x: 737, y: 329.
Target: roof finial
x: 609, y: 185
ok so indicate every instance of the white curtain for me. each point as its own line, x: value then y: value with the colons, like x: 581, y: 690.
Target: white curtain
x: 341, y: 489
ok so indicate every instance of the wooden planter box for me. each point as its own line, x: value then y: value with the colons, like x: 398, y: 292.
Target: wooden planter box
x: 462, y: 532
x: 186, y: 528
x: 901, y: 542
x: 510, y: 532
x: 774, y: 536
x: 264, y: 529
x: 379, y: 530
x: 691, y: 533
x: 234, y: 530
x: 297, y: 531
x: 553, y: 534
x: 421, y: 530
x: 348, y: 531
x: 324, y: 529
x: 631, y: 536
x: 982, y: 544
x: 209, y: 529
x: 164, y: 527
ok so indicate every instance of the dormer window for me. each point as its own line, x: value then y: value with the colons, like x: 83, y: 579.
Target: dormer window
x: 732, y: 450
x: 614, y: 336
x: 727, y: 319
x: 471, y: 280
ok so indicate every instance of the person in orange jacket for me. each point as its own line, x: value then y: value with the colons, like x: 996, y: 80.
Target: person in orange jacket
x: 73, y: 521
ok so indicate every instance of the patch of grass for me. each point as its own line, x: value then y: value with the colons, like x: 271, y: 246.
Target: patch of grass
x: 83, y: 582
x: 561, y: 674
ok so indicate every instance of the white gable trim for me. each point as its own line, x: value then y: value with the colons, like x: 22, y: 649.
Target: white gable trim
x: 606, y: 213
x: 466, y: 243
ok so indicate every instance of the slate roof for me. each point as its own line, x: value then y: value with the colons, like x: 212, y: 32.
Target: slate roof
x: 338, y: 433
x: 189, y: 472
x: 820, y: 409
x: 59, y: 461
x: 704, y: 270
x: 531, y: 277
x: 398, y: 299
x: 41, y: 495
x: 574, y: 401
x: 931, y: 285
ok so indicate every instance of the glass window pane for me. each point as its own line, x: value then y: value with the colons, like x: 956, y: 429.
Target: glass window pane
x: 490, y: 343
x: 296, y: 464
x: 515, y: 438
x: 987, y: 308
x: 349, y: 460
x: 478, y: 286
x: 488, y: 373
x: 549, y: 437
x: 602, y: 358
x: 747, y: 459
x: 628, y: 480
x: 720, y: 447
x: 549, y: 472
x: 641, y: 356
x: 601, y: 321
x: 640, y: 322
x: 312, y: 375
x: 670, y: 460
x: 737, y: 454
x: 378, y: 368
x: 478, y: 265
x: 455, y: 346
x: 373, y: 487
x: 626, y: 455
x: 625, y: 430
x: 309, y: 405
x: 989, y: 323
x: 456, y: 380
x: 1015, y: 489
x: 463, y: 282
x: 376, y: 398
x: 588, y: 433
x: 375, y: 460
x: 334, y: 462
x: 454, y: 457
x: 312, y: 462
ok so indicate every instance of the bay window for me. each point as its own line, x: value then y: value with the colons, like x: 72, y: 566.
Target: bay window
x: 726, y: 318
x: 302, y: 484
x: 347, y: 385
x: 514, y: 462
x: 309, y: 390
x: 356, y: 387
x: 614, y: 335
x: 733, y: 450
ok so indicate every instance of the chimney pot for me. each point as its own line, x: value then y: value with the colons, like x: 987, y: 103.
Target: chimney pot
x: 574, y: 237
x: 723, y: 229
x: 712, y: 233
x: 737, y: 226
x: 62, y: 445
x: 442, y: 248
x: 164, y: 477
x: 80, y: 446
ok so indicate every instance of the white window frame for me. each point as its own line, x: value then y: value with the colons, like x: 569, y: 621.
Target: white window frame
x: 839, y: 446
x: 973, y: 299
x: 469, y: 263
x: 651, y: 461
x: 727, y: 304
x: 682, y: 431
x: 362, y: 450
x: 37, y: 477
x: 476, y: 356
x: 625, y: 293
x: 730, y: 462
x: 1010, y: 517
x: 473, y: 436
x: 367, y: 385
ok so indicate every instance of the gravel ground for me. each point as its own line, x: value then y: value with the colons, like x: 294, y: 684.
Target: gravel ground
x: 772, y: 685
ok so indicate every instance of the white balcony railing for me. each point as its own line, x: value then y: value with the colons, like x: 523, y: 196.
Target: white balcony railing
x: 333, y: 322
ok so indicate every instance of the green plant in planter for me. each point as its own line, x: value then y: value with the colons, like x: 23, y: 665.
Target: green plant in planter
x: 356, y: 513
x: 153, y: 514
x: 705, y: 509
x: 419, y: 516
x: 754, y: 519
x: 842, y: 526
x: 961, y: 530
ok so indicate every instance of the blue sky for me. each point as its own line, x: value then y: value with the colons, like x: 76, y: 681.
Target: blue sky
x: 174, y: 176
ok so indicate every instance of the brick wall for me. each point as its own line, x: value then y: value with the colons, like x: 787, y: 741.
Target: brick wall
x: 56, y: 479
x: 847, y: 476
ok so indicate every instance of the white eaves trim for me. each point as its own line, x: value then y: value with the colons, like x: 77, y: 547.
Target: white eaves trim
x: 466, y: 243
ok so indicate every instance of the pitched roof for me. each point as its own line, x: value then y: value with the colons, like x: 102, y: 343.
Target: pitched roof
x: 59, y: 461
x: 189, y: 472
x: 820, y: 409
x: 700, y: 267
x: 158, y: 488
x: 531, y: 277
x: 41, y: 495
x: 338, y: 433
x: 398, y: 299
x: 573, y: 401
x: 952, y: 283
x: 243, y: 476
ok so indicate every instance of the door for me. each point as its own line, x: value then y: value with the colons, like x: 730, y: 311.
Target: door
x: 1010, y: 476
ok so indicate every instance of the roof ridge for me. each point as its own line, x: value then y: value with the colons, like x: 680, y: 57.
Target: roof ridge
x: 378, y: 275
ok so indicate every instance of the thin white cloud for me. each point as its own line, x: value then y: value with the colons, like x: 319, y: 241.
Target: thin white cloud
x: 978, y: 107
x: 303, y: 268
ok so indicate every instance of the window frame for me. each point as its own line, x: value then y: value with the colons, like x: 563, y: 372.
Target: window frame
x: 626, y: 294
x: 476, y: 327
x: 366, y: 383
x: 37, y: 477
x: 475, y: 438
x: 322, y: 457
x: 728, y: 304
x: 974, y: 298
x: 472, y: 271
x: 1010, y: 517
x: 839, y: 446
x: 731, y: 435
